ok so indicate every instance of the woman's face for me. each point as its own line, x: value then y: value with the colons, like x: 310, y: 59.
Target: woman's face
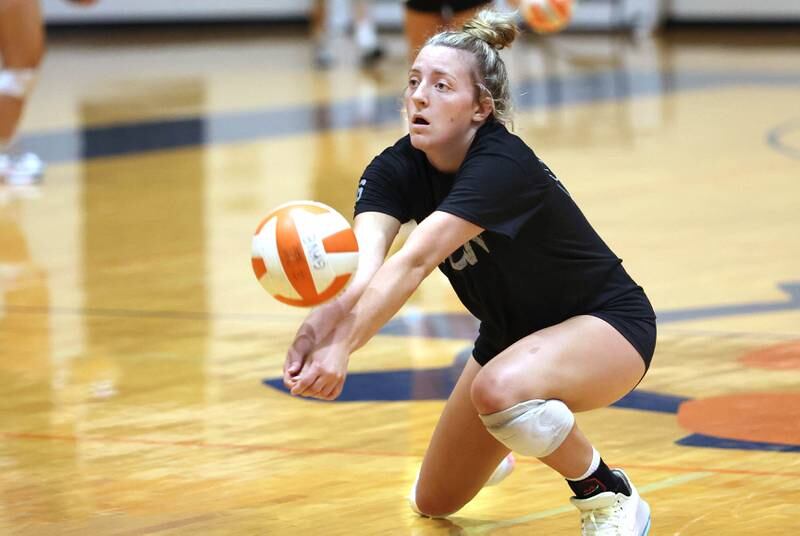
x: 440, y: 98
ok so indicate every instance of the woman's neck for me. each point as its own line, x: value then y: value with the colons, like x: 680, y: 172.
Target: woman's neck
x: 449, y: 158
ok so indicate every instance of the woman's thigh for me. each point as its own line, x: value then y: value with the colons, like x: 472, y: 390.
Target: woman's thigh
x: 461, y: 455
x: 582, y: 361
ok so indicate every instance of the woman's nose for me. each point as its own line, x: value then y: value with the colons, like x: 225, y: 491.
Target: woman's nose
x: 419, y: 95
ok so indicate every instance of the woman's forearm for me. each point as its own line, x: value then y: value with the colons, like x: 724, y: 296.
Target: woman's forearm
x: 375, y: 233
x: 388, y: 290
x: 366, y: 270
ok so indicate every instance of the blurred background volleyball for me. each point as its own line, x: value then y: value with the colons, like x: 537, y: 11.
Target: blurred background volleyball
x: 304, y: 253
x: 546, y: 16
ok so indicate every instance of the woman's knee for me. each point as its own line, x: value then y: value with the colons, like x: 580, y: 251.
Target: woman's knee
x: 427, y: 502
x: 499, y: 387
x: 488, y: 392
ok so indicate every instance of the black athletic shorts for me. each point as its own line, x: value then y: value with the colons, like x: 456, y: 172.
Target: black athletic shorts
x: 630, y: 314
x: 439, y: 6
x: 633, y: 317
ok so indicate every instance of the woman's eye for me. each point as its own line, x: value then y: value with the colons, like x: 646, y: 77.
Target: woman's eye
x: 441, y: 86
x: 413, y: 82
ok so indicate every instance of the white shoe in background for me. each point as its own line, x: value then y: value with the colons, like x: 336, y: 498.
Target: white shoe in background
x: 502, y: 470
x: 21, y: 169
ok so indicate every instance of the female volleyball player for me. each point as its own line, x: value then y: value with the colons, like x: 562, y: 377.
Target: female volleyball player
x: 22, y: 45
x: 563, y: 327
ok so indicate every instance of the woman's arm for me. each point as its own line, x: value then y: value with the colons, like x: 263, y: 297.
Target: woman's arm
x: 438, y: 236
x: 375, y: 232
x: 428, y: 245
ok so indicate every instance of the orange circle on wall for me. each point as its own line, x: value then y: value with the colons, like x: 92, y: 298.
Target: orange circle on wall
x: 765, y: 417
x: 784, y: 356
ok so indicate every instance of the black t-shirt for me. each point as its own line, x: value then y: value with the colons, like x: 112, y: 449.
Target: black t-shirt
x: 537, y: 263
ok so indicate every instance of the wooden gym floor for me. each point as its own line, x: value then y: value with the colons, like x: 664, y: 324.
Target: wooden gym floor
x: 138, y: 353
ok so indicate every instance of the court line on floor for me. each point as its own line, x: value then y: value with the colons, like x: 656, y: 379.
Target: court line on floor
x: 194, y: 443
x: 279, y: 317
x: 168, y: 525
x: 672, y: 330
x: 147, y: 314
x: 144, y: 136
x: 654, y: 486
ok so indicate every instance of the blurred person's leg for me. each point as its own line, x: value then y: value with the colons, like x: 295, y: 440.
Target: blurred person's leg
x: 463, y: 15
x: 424, y: 18
x: 366, y: 33
x: 320, y: 34
x: 21, y: 50
x: 330, y: 20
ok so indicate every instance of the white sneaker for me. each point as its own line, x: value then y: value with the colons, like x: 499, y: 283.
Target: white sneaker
x: 502, y: 470
x: 21, y: 169
x: 614, y: 514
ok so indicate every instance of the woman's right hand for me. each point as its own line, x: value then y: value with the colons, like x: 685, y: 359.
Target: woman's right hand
x: 315, y: 328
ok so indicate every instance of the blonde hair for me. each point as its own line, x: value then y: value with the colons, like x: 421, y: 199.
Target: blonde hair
x: 484, y: 36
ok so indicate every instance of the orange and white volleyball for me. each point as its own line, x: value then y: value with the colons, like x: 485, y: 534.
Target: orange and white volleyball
x: 546, y: 16
x: 304, y: 253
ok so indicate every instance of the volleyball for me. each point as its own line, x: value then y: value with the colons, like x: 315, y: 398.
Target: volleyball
x: 304, y: 253
x: 546, y: 16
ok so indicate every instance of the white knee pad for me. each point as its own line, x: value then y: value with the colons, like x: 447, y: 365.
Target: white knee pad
x: 17, y: 82
x: 533, y: 428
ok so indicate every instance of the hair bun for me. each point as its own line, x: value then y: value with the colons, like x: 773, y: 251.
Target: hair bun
x: 497, y: 29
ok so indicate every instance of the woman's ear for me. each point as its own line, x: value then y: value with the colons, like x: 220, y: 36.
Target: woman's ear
x: 483, y: 108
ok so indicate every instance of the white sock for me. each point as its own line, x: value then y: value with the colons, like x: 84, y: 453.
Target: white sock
x: 592, y: 466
